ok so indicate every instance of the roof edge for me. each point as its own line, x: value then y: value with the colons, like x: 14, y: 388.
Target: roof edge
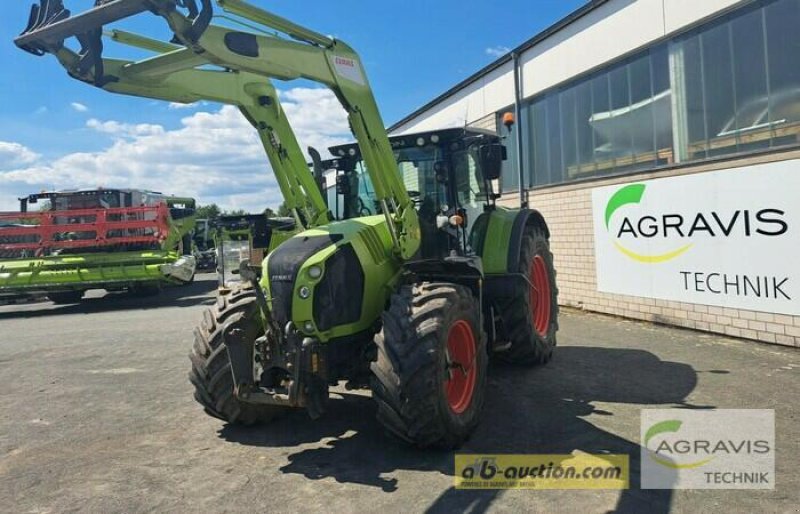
x: 563, y: 23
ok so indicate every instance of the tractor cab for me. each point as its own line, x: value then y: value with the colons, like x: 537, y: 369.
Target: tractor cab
x: 449, y: 174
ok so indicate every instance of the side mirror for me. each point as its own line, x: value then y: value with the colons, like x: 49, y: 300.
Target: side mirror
x: 342, y: 185
x: 491, y: 159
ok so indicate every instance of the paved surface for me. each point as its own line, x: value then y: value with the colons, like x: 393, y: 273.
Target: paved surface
x: 96, y: 414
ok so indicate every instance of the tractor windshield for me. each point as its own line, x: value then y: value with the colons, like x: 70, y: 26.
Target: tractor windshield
x: 470, y: 187
x: 416, y: 167
x: 428, y: 187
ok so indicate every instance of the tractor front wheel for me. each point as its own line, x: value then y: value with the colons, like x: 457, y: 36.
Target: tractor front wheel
x: 429, y: 378
x: 211, y: 367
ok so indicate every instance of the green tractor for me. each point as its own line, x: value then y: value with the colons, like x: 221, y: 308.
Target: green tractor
x: 408, y: 289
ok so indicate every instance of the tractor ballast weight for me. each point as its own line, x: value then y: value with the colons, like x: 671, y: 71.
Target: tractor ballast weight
x: 391, y: 293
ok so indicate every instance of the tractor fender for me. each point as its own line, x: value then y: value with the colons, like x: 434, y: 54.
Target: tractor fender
x: 497, y: 237
x: 525, y: 218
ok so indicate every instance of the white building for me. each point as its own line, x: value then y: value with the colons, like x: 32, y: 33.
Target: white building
x: 660, y: 140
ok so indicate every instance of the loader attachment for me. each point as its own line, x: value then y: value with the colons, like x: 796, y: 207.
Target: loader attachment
x: 50, y: 24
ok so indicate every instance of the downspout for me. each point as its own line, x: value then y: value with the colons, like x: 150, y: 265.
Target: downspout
x: 523, y: 191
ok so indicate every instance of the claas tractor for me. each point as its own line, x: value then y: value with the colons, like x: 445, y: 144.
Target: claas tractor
x: 408, y: 290
x: 63, y: 243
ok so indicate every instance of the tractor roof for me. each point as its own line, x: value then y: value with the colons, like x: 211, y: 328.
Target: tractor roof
x: 419, y: 139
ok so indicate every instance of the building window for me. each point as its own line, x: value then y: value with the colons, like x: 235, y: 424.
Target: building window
x: 742, y: 89
x: 616, y: 120
x: 728, y: 87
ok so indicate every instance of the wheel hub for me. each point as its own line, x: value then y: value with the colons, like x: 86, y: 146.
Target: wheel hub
x: 540, y: 296
x: 461, y: 369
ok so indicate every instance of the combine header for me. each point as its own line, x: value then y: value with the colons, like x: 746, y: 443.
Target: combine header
x: 101, y: 239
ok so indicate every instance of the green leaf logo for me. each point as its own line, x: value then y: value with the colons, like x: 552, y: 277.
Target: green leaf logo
x: 632, y: 194
x: 625, y: 196
x: 664, y: 427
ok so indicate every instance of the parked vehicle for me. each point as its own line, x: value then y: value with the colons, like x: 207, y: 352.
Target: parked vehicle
x: 408, y: 295
x: 112, y: 239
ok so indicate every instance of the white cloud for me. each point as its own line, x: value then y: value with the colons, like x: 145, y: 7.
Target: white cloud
x: 79, y: 107
x: 316, y: 117
x: 214, y: 156
x: 175, y: 106
x: 124, y: 129
x: 497, y: 51
x: 15, y: 154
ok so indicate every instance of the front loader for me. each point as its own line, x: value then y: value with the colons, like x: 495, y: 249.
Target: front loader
x: 408, y: 290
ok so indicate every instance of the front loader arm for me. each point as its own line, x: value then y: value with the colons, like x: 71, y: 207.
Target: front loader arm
x: 174, y: 75
x: 257, y: 99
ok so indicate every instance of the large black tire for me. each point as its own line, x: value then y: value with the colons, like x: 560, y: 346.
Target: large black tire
x: 65, y: 297
x: 211, y: 368
x: 522, y: 313
x: 411, y: 373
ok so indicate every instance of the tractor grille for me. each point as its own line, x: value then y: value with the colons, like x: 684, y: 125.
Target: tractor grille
x: 284, y: 264
x: 338, y: 298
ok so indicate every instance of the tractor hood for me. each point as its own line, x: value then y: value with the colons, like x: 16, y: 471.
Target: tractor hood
x: 332, y: 281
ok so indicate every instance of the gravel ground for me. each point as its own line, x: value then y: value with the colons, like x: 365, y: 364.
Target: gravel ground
x: 97, y: 415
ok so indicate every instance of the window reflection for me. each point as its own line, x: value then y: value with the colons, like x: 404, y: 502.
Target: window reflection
x: 734, y: 84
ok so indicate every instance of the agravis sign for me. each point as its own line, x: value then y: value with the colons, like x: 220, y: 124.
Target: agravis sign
x: 727, y: 238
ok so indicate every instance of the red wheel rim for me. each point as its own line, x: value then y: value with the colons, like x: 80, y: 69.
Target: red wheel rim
x: 461, y: 370
x: 540, y: 296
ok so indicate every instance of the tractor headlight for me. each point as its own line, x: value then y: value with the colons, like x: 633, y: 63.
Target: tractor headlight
x: 315, y: 272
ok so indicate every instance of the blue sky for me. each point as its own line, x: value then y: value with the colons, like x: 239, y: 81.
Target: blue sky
x: 58, y: 133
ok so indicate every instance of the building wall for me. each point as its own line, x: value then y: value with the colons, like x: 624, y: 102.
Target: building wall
x: 487, y: 95
x: 617, y: 28
x: 568, y: 210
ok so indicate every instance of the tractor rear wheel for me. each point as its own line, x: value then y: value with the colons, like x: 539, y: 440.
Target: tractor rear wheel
x: 429, y: 378
x: 211, y: 367
x: 66, y: 297
x: 531, y: 319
